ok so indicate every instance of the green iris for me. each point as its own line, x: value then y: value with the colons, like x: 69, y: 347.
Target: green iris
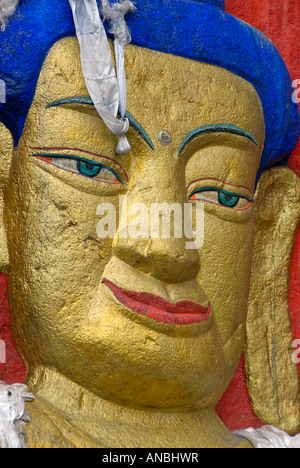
x: 88, y: 169
x: 228, y: 199
x: 85, y: 167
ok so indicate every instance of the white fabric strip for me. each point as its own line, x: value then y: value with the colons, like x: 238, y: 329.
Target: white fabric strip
x: 107, y: 91
x: 7, y: 9
x: 269, y: 437
x: 13, y: 414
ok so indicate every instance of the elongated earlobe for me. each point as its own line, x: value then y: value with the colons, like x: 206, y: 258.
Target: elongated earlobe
x: 6, y: 153
x: 273, y: 381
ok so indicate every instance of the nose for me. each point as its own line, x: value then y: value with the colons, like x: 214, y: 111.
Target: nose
x: 155, y: 205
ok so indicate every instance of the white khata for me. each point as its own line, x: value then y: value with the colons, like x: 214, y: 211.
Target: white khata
x: 13, y: 414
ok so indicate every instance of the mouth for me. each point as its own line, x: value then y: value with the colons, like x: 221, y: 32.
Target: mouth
x: 156, y: 308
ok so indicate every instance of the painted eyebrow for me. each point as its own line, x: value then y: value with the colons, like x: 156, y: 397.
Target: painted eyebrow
x: 215, y: 128
x: 88, y: 101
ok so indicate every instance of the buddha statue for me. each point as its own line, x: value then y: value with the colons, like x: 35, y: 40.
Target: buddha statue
x: 131, y: 340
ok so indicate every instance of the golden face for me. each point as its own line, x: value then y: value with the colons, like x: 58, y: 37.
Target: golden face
x: 111, y: 313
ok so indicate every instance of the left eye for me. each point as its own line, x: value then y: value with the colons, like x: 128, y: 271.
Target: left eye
x: 221, y: 197
x: 227, y: 199
x: 88, y: 169
x: 85, y: 167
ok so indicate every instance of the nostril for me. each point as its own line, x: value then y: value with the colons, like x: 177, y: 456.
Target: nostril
x: 164, y: 259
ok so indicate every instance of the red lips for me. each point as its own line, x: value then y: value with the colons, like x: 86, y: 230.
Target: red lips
x: 154, y: 307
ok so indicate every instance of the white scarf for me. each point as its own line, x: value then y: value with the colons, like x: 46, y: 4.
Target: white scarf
x: 107, y: 90
x: 13, y: 414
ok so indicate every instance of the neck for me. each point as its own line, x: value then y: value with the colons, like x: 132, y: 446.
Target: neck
x: 65, y: 414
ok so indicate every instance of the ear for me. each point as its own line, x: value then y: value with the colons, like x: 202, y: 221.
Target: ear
x: 272, y: 376
x: 6, y: 154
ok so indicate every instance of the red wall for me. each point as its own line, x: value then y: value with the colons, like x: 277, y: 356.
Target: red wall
x: 280, y: 21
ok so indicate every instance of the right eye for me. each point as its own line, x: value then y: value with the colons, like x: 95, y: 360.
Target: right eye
x: 84, y: 167
x: 221, y: 197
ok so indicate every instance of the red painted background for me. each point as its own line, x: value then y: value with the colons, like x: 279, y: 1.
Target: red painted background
x: 280, y: 21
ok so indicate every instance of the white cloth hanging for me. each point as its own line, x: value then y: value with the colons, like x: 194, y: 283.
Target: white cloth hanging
x: 13, y: 414
x: 107, y: 89
x: 269, y: 437
x: 7, y: 9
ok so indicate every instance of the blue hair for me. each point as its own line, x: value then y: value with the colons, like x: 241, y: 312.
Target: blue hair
x: 197, y: 30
